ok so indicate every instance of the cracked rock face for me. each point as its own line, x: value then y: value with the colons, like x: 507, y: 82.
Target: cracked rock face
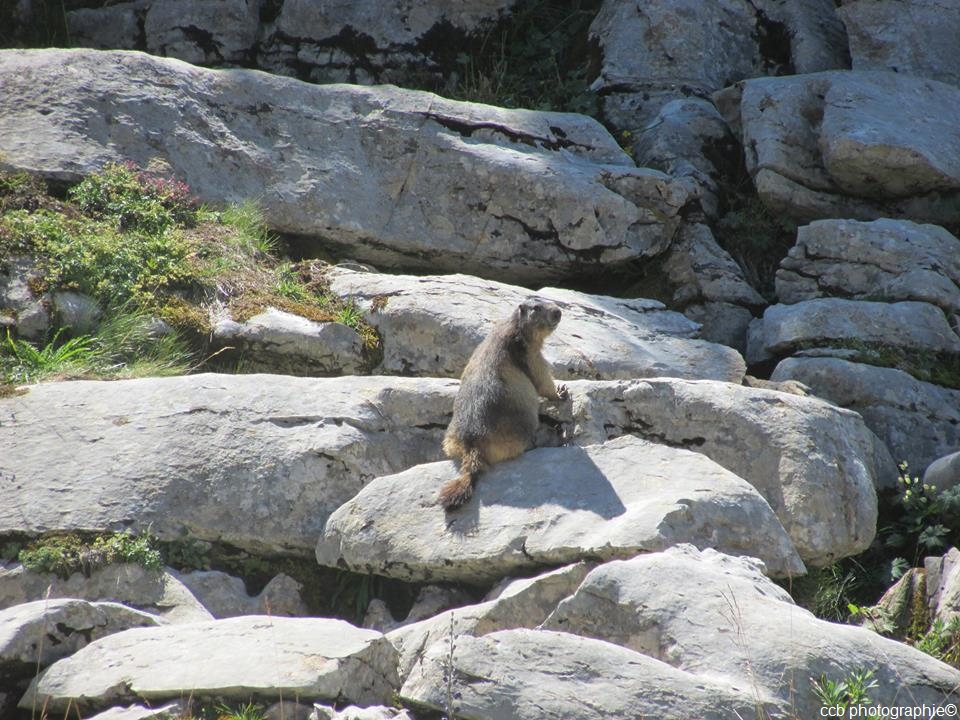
x: 403, y: 177
x: 258, y: 461
x: 553, y: 506
x: 861, y: 145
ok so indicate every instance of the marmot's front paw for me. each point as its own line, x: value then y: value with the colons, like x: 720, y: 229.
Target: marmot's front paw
x: 562, y: 392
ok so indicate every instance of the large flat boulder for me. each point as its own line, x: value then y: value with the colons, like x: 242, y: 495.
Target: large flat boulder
x: 232, y: 659
x: 553, y: 506
x: 542, y: 675
x: 258, y: 461
x: 379, y: 173
x: 907, y: 326
x: 884, y: 259
x: 861, y: 145
x: 816, y: 464
x: 430, y: 325
x: 721, y: 620
x: 918, y: 421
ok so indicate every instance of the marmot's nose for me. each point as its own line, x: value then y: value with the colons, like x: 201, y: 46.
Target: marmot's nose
x: 555, y: 315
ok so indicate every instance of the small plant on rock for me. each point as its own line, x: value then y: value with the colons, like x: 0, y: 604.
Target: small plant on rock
x: 64, y: 554
x: 847, y: 693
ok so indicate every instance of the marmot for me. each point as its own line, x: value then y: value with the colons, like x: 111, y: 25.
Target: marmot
x: 495, y: 414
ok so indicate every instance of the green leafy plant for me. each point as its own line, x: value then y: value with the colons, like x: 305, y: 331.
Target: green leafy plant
x: 22, y: 362
x: 847, y: 693
x: 64, y: 554
x: 928, y: 521
x: 942, y: 641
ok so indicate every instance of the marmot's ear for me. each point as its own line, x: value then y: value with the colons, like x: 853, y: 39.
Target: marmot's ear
x: 524, y: 309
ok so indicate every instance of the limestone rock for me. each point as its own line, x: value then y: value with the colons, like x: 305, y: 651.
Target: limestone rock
x: 430, y: 325
x: 541, y: 675
x: 553, y: 506
x: 943, y: 585
x: 203, y: 32
x: 226, y: 596
x: 280, y: 342
x: 523, y: 603
x: 918, y: 421
x: 659, y: 605
x: 231, y: 659
x: 944, y: 472
x: 886, y: 259
x: 20, y: 311
x: 140, y: 712
x: 37, y: 633
x: 815, y: 464
x: 153, y: 591
x: 657, y: 51
x: 352, y: 712
x: 383, y: 174
x: 113, y: 27
x: 861, y: 145
x: 257, y: 461
x: 908, y: 326
x: 916, y: 37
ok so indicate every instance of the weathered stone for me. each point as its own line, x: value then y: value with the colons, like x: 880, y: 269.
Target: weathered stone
x: 226, y: 596
x: 352, y: 712
x: 258, y: 461
x: 153, y: 591
x: 858, y: 145
x: 35, y: 634
x: 114, y: 27
x: 76, y: 311
x: 888, y: 259
x: 280, y: 342
x: 515, y: 604
x: 20, y: 311
x: 231, y: 659
x: 897, y: 609
x: 815, y: 464
x: 660, y: 604
x: 943, y: 585
x: 430, y: 325
x: 913, y: 37
x: 553, y: 506
x: 908, y: 326
x: 656, y: 52
x: 918, y: 421
x: 203, y: 32
x: 541, y: 675
x: 382, y: 174
x: 943, y: 473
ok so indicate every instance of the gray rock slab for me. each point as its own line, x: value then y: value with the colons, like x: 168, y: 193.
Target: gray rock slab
x: 430, y: 325
x: 944, y: 472
x: 380, y: 173
x: 917, y: 37
x: 908, y: 326
x: 35, y: 634
x: 860, y: 145
x: 887, y: 259
x: 258, y: 461
x: 204, y: 31
x: 719, y: 619
x: 114, y: 27
x: 553, y: 506
x: 918, y: 421
x: 232, y: 659
x: 280, y: 342
x: 522, y: 603
x: 943, y: 585
x: 20, y: 311
x: 157, y: 592
x: 816, y: 464
x: 226, y: 596
x: 141, y: 712
x: 542, y: 675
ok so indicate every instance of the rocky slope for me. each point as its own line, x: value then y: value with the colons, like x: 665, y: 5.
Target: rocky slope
x: 625, y: 574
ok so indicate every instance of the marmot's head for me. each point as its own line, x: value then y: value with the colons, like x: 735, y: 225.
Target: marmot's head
x: 538, y: 318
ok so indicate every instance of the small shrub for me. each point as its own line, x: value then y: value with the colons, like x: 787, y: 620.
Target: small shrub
x: 942, y: 641
x: 135, y: 200
x: 68, y: 553
x: 845, y: 694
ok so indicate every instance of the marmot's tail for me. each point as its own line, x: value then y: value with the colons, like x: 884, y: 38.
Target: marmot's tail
x: 458, y: 491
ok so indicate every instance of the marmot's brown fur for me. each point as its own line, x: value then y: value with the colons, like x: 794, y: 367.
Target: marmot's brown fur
x: 495, y: 414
